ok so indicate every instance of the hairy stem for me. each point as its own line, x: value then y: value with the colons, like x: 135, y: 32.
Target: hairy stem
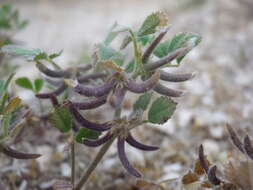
x: 73, y: 164
x: 94, y: 164
x: 97, y: 159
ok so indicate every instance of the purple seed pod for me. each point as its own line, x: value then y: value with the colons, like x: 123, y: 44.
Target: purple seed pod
x: 99, y: 90
x: 235, y: 139
x: 161, y: 89
x: 173, y: 55
x: 92, y: 76
x: 53, y: 82
x: 153, y: 45
x: 87, y: 124
x: 171, y: 77
x: 248, y: 147
x: 56, y: 92
x: 212, y: 176
x: 133, y: 142
x: 52, y: 73
x: 54, y: 100
x: 91, y: 104
x: 18, y: 155
x: 142, y: 87
x: 118, y: 97
x: 203, y: 162
x: 124, y: 160
x: 97, y: 142
x: 83, y: 67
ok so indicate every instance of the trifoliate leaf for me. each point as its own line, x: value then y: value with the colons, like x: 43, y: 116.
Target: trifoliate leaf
x: 161, y: 110
x: 61, y: 119
x: 181, y: 40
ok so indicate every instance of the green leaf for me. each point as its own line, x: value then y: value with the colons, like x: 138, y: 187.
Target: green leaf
x: 149, y: 25
x: 142, y: 102
x: 130, y: 67
x: 54, y: 55
x: 106, y: 53
x: 40, y: 56
x: 1, y: 86
x: 84, y: 133
x: 24, y: 82
x: 161, y: 110
x: 61, y: 119
x: 178, y: 41
x: 29, y: 54
x: 146, y: 39
x: 8, y: 81
x: 38, y: 84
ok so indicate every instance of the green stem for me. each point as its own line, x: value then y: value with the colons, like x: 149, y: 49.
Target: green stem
x: 98, y: 157
x: 73, y: 165
x: 94, y: 164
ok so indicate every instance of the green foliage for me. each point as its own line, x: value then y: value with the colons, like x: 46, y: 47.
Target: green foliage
x: 161, y: 110
x: 38, y: 84
x: 84, y: 133
x: 24, y: 82
x: 149, y: 25
x: 106, y: 53
x: 142, y: 102
x: 61, y: 119
x: 29, y: 54
x: 10, y: 18
x: 178, y: 41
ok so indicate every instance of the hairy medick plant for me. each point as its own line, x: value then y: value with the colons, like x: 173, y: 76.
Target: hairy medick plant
x: 107, y: 80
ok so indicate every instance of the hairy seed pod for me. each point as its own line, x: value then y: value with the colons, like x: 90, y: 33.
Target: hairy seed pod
x: 84, y: 67
x: 118, y: 97
x: 153, y: 45
x: 235, y: 139
x: 161, y: 89
x: 248, y: 147
x: 92, y: 76
x: 16, y: 154
x: 53, y: 73
x: 133, y: 142
x: 203, y: 162
x: 163, y: 61
x: 212, y: 176
x: 99, y: 90
x: 91, y: 104
x: 171, y: 77
x: 87, y: 124
x: 54, y: 100
x: 97, y: 142
x: 141, y: 87
x: 56, y: 92
x: 123, y: 158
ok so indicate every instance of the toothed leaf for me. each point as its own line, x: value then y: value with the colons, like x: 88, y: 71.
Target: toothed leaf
x: 143, y: 102
x: 61, y: 119
x: 178, y: 41
x: 161, y: 110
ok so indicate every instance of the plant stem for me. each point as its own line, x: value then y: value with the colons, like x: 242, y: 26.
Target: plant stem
x: 73, y: 165
x: 98, y: 157
x: 94, y: 164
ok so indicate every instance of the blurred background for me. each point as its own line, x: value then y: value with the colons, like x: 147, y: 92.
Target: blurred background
x: 221, y: 92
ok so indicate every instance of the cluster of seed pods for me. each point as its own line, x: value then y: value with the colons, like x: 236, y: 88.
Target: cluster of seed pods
x: 115, y: 85
x: 244, y: 147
